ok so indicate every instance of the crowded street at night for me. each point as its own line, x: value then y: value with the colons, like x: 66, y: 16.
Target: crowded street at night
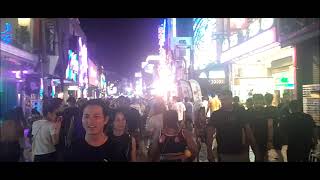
x: 160, y: 90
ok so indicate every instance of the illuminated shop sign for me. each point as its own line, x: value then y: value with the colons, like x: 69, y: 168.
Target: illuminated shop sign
x: 6, y: 33
x: 217, y: 77
x: 162, y: 38
x: 284, y: 80
x: 242, y: 30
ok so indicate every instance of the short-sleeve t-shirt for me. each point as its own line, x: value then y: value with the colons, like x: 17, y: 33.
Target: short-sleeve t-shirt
x: 180, y: 108
x: 82, y: 151
x: 229, y: 129
x: 298, y: 128
x: 42, y: 131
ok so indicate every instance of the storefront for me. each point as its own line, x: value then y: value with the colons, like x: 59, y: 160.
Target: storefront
x: 257, y: 63
x: 17, y: 64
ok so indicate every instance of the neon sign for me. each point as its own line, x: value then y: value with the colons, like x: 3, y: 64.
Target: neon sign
x: 6, y: 35
x: 162, y: 39
x: 73, y: 66
x: 41, y: 88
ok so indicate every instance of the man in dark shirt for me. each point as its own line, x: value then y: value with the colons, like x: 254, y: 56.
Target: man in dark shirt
x: 262, y: 127
x: 299, y: 131
x: 272, y: 114
x: 96, y: 145
x: 233, y: 132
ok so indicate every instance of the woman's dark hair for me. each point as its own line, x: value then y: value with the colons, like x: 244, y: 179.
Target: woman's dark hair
x: 112, y: 116
x: 170, y: 119
x: 236, y: 99
x: 258, y: 99
x: 96, y: 102
x: 268, y: 98
x: 72, y: 100
x: 50, y: 105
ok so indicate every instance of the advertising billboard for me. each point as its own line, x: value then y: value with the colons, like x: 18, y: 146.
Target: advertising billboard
x: 72, y: 71
x: 93, y: 73
x: 83, y: 57
x: 205, y: 50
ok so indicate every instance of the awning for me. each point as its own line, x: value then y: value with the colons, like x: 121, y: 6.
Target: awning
x: 15, y: 54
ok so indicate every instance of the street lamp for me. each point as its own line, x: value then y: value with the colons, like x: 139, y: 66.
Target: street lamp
x: 24, y: 22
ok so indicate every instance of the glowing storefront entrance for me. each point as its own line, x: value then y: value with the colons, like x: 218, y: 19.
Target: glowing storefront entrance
x: 270, y: 71
x: 260, y: 65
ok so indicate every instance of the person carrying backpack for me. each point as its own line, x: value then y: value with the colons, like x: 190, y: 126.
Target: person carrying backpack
x: 174, y: 144
x: 233, y: 132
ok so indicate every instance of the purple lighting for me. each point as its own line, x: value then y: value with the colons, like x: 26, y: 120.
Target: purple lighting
x: 83, y: 76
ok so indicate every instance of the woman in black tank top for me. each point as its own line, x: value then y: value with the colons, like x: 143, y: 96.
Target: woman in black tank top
x: 122, y: 141
x: 174, y: 144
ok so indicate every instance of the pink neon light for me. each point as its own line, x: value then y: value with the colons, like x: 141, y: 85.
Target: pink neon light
x: 41, y: 83
x: 83, y: 77
x: 294, y: 58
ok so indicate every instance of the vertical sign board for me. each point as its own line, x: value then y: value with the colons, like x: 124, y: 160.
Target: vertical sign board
x: 311, y: 101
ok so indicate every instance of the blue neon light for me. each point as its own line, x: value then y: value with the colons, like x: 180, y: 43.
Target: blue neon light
x: 6, y: 35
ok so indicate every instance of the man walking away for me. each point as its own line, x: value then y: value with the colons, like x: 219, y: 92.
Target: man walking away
x: 233, y: 132
x: 299, y: 131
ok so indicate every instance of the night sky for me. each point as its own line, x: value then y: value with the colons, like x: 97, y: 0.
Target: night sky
x: 121, y: 44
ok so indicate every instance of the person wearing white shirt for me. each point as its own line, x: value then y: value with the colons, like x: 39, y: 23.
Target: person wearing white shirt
x: 180, y: 108
x: 155, y: 121
x: 46, y: 132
